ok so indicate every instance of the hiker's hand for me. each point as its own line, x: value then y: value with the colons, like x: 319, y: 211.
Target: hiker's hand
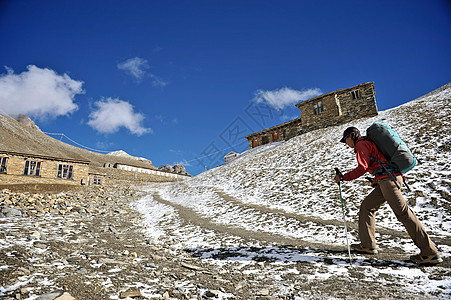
x: 337, y: 178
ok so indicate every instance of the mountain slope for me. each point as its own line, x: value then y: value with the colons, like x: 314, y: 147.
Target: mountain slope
x: 17, y: 137
x: 296, y: 176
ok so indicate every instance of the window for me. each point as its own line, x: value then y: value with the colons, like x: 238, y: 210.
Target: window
x: 318, y: 108
x: 97, y: 180
x: 32, y: 168
x: 65, y: 171
x: 255, y: 143
x: 355, y: 94
x: 3, y: 164
x: 265, y: 139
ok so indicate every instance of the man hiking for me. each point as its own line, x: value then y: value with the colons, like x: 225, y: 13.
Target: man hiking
x: 385, y: 190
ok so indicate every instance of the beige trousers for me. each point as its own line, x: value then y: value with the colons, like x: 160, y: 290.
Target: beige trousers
x: 386, y: 190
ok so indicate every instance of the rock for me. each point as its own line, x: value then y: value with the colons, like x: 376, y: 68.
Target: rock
x: 151, y: 265
x: 35, y: 234
x: 178, y: 169
x: 264, y: 292
x: 9, y: 212
x: 40, y: 245
x: 191, y: 267
x: 113, y: 230
x: 131, y: 294
x: 50, y: 296
x: 24, y: 270
x: 212, y: 293
x: 65, y: 297
x: 26, y: 121
x: 105, y: 260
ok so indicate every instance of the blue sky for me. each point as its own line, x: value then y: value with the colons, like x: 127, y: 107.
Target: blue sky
x: 185, y: 81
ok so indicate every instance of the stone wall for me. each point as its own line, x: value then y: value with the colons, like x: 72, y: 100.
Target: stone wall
x: 362, y: 107
x: 113, y: 175
x: 48, y: 170
x: 277, y: 133
x: 339, y: 107
x: 330, y: 110
x: 6, y: 179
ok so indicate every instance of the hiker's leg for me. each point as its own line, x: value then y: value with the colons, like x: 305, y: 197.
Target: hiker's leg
x: 367, y: 217
x: 406, y: 216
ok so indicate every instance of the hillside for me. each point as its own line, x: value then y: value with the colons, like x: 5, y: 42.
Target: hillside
x: 17, y: 137
x: 274, y: 213
x: 296, y: 176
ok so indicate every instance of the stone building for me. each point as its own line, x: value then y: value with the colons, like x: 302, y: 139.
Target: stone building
x: 230, y: 157
x: 329, y: 109
x: 96, y: 178
x: 30, y: 168
x: 138, y: 169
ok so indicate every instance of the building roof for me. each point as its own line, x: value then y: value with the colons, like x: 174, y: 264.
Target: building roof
x: 39, y: 156
x: 136, y: 166
x: 331, y: 93
x: 286, y: 124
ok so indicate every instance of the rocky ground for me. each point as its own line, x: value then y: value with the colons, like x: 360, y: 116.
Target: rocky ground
x: 88, y: 243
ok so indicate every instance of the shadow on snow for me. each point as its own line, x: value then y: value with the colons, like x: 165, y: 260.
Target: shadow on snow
x: 289, y: 253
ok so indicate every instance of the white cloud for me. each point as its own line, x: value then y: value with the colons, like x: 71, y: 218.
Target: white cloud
x: 157, y: 81
x: 137, y: 67
x: 285, y: 96
x: 134, y: 66
x: 112, y: 114
x: 40, y: 93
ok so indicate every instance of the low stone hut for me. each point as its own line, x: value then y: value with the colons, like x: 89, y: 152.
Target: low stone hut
x: 229, y: 157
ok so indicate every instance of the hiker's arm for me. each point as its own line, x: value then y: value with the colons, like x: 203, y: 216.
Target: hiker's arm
x: 363, y: 161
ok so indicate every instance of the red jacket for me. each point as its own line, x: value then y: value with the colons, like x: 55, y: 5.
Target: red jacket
x: 364, y: 150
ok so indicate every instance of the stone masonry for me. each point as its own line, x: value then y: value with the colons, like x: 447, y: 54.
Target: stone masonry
x: 48, y: 169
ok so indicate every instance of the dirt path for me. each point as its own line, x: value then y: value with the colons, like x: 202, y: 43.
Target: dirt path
x: 190, y: 216
x: 389, y: 257
x: 305, y: 218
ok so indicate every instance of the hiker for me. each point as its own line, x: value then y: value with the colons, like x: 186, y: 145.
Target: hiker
x: 385, y: 190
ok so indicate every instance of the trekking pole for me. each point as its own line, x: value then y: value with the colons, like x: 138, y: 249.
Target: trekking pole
x: 337, y: 171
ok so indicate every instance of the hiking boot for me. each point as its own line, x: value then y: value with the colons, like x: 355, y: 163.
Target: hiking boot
x: 360, y: 249
x: 433, y: 259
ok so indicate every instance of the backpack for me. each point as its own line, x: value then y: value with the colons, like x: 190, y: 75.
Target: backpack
x: 395, y: 150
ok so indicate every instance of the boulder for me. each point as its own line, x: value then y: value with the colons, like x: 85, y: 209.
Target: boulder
x: 177, y: 169
x: 9, y: 212
x: 26, y: 121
